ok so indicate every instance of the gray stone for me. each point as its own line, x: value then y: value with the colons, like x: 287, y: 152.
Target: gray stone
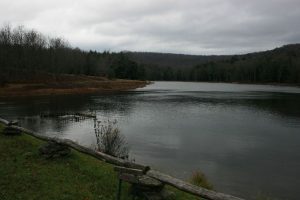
x: 147, y: 188
x: 54, y: 150
x: 167, y: 194
x: 11, y: 131
x: 149, y: 182
x: 152, y: 196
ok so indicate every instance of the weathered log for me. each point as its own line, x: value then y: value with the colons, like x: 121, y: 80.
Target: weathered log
x: 143, y: 181
x: 15, y: 122
x: 3, y: 121
x: 88, y: 115
x: 136, y: 172
x: 9, y: 130
x: 148, y: 182
x: 189, y: 188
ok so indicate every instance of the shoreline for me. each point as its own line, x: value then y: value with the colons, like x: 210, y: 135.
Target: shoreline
x: 80, y: 84
x: 28, y: 175
x: 240, y: 83
x: 181, y: 189
x: 68, y: 85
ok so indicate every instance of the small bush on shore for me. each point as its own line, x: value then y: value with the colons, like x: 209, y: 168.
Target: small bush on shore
x: 110, y: 140
x: 199, y: 179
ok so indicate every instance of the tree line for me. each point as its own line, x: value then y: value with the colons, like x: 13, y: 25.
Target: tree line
x: 27, y: 53
x: 281, y: 65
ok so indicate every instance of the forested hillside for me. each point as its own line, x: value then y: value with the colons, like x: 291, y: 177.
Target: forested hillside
x: 169, y: 59
x: 25, y: 54
x: 171, y: 66
x: 281, y: 65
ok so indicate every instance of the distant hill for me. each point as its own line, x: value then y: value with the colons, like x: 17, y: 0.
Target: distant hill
x: 184, y: 60
x: 280, y: 65
x: 171, y: 60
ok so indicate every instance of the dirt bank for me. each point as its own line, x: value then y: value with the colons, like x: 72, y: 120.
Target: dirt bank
x: 67, y: 84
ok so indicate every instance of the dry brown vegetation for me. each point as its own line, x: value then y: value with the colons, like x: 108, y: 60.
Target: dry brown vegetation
x: 199, y: 179
x: 48, y: 84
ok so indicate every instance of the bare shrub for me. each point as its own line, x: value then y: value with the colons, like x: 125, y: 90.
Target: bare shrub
x: 109, y: 139
x: 199, y: 179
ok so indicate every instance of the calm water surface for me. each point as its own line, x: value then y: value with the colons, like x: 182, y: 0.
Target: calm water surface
x: 245, y: 138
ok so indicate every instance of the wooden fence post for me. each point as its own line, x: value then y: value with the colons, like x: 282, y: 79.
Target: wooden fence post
x: 119, y: 189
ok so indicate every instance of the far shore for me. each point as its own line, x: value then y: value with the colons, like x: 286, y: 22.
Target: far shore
x: 241, y: 83
x: 68, y: 84
x: 81, y: 84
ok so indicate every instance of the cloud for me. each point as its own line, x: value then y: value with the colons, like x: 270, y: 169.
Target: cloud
x: 191, y: 26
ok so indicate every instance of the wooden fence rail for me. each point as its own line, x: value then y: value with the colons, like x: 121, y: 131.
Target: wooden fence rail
x: 169, y: 180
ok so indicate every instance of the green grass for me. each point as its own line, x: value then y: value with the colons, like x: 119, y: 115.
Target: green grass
x: 24, y: 174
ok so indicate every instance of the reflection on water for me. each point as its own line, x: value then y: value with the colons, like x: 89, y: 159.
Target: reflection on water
x: 245, y: 138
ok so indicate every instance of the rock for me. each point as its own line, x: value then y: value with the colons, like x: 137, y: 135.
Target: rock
x: 147, y: 187
x: 167, y: 194
x: 147, y: 181
x: 11, y: 131
x: 152, y: 196
x: 147, y: 184
x: 54, y: 150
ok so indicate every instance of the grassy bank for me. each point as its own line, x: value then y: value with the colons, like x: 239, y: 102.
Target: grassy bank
x: 24, y: 174
x: 48, y: 84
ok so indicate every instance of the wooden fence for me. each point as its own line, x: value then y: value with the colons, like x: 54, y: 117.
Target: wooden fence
x: 169, y: 180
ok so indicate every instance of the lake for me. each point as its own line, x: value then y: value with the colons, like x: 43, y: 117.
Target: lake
x: 245, y: 138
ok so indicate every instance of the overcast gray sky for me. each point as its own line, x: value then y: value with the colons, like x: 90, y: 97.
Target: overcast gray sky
x: 176, y: 26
